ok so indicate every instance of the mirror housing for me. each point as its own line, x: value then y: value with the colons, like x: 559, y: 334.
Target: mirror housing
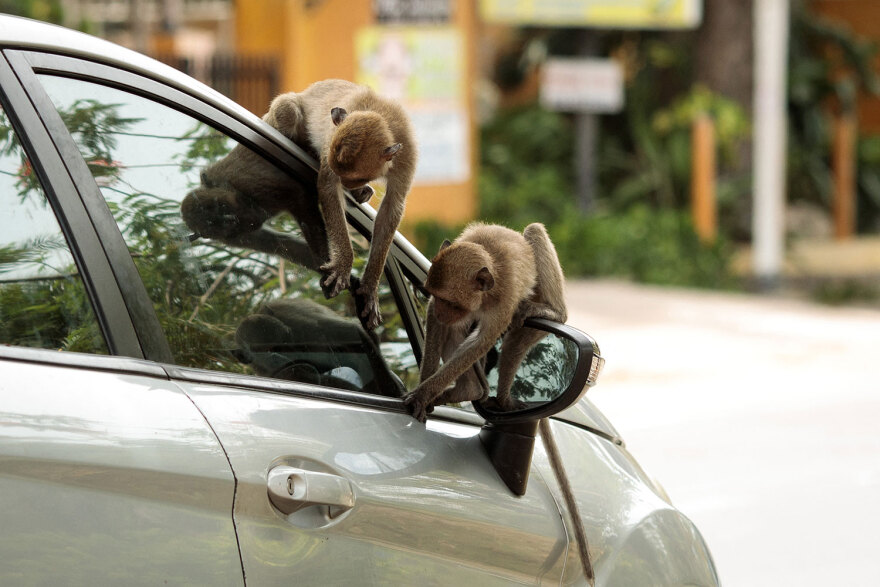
x: 584, y: 373
x: 509, y: 437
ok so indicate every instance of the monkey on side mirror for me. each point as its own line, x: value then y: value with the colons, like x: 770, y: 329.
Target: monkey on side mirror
x: 359, y: 136
x: 482, y: 285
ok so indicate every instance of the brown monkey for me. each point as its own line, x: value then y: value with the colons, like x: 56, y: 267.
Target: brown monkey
x: 492, y: 278
x: 359, y: 137
x: 489, y: 279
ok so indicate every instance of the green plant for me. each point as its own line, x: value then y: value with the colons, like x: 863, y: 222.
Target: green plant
x: 828, y: 67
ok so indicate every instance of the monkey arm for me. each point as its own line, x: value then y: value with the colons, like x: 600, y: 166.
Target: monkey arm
x: 387, y: 220
x: 436, y: 334
x: 472, y: 349
x: 338, y: 269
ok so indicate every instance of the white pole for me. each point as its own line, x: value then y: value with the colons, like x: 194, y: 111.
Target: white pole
x: 771, y: 66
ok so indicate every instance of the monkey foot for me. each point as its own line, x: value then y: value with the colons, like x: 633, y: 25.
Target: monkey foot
x: 417, y: 406
x: 336, y: 280
x: 370, y: 315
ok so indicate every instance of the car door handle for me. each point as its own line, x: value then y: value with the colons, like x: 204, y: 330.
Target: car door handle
x: 291, y: 489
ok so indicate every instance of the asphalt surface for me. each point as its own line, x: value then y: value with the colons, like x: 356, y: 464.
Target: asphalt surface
x: 760, y: 416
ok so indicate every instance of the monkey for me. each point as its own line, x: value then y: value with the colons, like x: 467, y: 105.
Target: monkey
x: 359, y: 137
x: 493, y: 278
x: 301, y: 340
x: 241, y: 191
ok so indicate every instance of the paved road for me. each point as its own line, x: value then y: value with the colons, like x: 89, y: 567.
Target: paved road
x: 760, y: 417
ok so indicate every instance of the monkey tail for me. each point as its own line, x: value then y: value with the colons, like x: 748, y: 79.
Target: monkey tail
x: 567, y: 494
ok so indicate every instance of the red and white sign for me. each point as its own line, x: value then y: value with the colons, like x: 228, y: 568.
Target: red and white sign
x: 582, y: 85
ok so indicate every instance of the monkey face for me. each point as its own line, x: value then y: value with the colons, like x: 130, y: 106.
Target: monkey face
x: 362, y: 147
x: 458, y: 279
x: 448, y: 312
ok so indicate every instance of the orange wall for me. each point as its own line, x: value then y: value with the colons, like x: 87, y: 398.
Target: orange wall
x: 315, y: 41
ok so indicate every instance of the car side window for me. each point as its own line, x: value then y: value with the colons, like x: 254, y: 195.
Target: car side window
x: 43, y: 302
x: 228, y: 297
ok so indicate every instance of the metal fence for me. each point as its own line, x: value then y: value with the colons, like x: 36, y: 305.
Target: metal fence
x: 250, y: 80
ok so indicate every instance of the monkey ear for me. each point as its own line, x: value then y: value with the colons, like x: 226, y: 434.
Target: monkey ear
x: 484, y: 280
x: 338, y: 115
x: 445, y: 243
x: 389, y: 152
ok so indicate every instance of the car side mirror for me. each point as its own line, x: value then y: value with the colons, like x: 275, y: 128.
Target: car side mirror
x: 560, y: 366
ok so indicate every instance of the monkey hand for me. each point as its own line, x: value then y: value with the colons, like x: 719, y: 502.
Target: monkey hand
x: 417, y: 404
x: 370, y: 315
x: 337, y: 277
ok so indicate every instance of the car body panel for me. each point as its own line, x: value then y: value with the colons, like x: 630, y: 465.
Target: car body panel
x: 111, y: 474
x: 107, y: 478
x: 637, y: 538
x: 429, y: 507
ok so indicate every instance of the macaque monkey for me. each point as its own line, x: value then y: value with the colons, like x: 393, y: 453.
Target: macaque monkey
x: 482, y: 285
x: 359, y: 137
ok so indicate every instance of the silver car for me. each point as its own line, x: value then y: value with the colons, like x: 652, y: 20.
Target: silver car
x: 177, y: 409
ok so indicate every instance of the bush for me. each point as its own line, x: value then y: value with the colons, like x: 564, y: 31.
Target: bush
x: 642, y: 244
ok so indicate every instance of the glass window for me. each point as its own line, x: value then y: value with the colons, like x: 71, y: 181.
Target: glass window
x: 43, y: 302
x: 230, y: 295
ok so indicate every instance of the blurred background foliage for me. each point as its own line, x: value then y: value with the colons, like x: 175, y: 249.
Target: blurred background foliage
x: 641, y: 228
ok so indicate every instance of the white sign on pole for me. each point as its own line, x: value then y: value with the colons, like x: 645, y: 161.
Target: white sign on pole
x: 589, y: 85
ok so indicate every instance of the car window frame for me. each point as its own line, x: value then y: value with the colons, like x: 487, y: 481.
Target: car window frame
x: 259, y: 137
x: 89, y: 254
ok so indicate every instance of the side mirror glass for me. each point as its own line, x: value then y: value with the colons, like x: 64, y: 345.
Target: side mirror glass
x: 561, y: 363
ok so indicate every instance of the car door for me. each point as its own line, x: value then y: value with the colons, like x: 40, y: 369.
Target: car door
x: 294, y: 389
x: 108, y: 472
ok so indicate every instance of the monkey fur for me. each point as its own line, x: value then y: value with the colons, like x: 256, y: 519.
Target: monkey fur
x: 358, y: 136
x: 492, y: 278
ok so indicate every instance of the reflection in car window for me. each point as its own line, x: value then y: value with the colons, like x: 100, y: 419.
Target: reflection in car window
x: 225, y: 298
x: 43, y: 302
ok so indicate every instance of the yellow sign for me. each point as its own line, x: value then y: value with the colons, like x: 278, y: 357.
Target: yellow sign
x: 646, y: 14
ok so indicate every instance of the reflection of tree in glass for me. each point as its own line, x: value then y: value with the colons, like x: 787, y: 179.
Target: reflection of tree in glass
x: 546, y: 371
x: 45, y: 312
x: 201, y: 290
x: 206, y: 145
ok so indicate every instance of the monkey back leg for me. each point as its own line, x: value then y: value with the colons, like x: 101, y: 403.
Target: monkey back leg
x: 514, y: 347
